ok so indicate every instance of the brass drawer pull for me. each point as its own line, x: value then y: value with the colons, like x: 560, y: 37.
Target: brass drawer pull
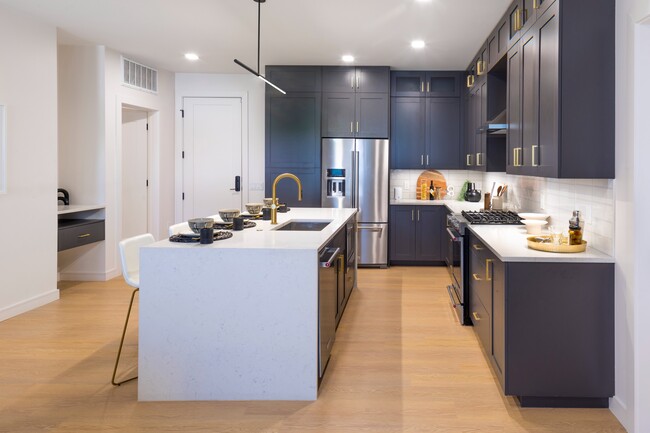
x: 476, y: 277
x: 476, y: 316
x: 534, y: 150
x: 487, y: 269
x: 85, y: 235
x: 477, y: 247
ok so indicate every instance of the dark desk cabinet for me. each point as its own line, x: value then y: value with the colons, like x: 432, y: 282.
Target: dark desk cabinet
x: 547, y: 328
x: 77, y: 232
x: 416, y: 234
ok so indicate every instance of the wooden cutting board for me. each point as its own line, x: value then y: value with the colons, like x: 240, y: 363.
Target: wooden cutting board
x: 428, y: 176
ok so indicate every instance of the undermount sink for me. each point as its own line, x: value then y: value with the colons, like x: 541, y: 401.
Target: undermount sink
x: 304, y: 225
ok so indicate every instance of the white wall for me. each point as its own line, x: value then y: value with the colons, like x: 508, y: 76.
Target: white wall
x: 215, y: 85
x: 28, y: 88
x: 91, y: 99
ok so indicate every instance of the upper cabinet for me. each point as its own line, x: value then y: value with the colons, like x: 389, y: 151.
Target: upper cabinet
x: 294, y: 78
x: 422, y: 84
x: 355, y: 102
x: 497, y: 43
x: 562, y: 122
x: 426, y: 126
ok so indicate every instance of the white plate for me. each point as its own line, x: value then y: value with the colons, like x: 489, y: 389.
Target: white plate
x: 534, y: 216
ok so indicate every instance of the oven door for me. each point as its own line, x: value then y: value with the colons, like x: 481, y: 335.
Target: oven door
x: 455, y: 265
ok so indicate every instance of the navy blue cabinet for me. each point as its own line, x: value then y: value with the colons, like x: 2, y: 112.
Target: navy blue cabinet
x: 408, y: 132
x: 443, y: 132
x: 416, y: 234
x: 421, y: 84
x: 361, y: 79
x: 293, y: 132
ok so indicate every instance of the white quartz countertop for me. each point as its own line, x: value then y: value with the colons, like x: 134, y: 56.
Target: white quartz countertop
x: 73, y: 208
x: 263, y: 236
x: 453, y: 205
x: 510, y: 245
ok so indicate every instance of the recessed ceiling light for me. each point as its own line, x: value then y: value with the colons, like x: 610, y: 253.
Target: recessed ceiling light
x: 417, y: 44
x: 191, y: 56
x: 348, y: 58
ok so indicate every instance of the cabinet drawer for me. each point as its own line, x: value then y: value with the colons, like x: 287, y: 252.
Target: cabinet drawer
x: 480, y: 273
x: 75, y: 233
x: 482, y: 323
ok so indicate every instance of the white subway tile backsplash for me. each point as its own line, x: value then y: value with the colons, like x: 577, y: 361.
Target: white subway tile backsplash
x: 556, y: 197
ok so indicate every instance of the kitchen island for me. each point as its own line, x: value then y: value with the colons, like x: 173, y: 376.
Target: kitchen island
x: 236, y: 319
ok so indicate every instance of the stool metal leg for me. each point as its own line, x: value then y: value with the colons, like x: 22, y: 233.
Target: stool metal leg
x: 119, y: 351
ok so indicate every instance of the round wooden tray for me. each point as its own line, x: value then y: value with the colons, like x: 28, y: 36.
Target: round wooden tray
x: 428, y: 176
x: 543, y: 243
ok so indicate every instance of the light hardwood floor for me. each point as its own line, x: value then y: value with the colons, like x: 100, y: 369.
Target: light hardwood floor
x: 400, y: 364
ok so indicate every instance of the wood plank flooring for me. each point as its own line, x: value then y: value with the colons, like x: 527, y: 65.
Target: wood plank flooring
x: 401, y: 363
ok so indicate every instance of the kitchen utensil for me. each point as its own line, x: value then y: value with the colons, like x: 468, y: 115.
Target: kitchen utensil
x: 254, y: 208
x: 534, y: 227
x: 196, y: 224
x: 492, y: 190
x: 227, y: 215
x: 499, y: 188
x: 503, y: 190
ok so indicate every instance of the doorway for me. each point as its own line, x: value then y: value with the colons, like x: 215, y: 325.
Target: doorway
x: 135, y: 172
x: 212, y: 155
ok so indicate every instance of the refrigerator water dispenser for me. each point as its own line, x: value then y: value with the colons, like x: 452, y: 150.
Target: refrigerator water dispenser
x: 335, y: 182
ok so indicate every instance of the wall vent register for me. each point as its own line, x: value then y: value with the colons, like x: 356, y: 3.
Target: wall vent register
x: 139, y: 76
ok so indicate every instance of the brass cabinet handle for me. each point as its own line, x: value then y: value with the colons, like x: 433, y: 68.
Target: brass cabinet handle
x: 476, y: 277
x: 516, y: 156
x: 428, y: 86
x: 470, y: 80
x: 477, y: 247
x: 85, y: 235
x: 478, y: 159
x: 469, y: 159
x: 422, y: 86
x: 534, y: 150
x: 473, y: 80
x: 535, y: 4
x: 487, y: 269
x: 480, y: 67
x: 520, y: 19
x: 476, y: 316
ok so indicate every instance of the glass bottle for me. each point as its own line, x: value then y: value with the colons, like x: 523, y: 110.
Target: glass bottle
x: 431, y: 195
x: 576, y: 223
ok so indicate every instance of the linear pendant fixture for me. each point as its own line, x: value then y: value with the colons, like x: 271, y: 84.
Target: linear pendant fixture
x: 248, y: 68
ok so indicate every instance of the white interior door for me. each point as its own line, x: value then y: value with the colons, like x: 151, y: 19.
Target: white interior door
x: 212, y: 145
x: 135, y: 172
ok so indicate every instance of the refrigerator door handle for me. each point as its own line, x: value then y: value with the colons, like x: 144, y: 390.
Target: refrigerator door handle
x: 356, y: 179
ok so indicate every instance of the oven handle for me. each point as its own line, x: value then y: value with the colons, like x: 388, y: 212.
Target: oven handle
x: 452, y: 235
x: 452, y: 296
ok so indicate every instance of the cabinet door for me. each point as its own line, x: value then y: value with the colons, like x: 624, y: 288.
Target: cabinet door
x: 287, y: 190
x: 513, y: 105
x: 443, y: 133
x: 373, y: 79
x: 481, y: 63
x: 469, y: 133
x: 443, y: 84
x: 498, y: 276
x: 402, y: 232
x: 372, y: 115
x: 498, y: 43
x: 339, y: 79
x: 542, y: 5
x: 294, y: 78
x: 427, y: 241
x: 338, y: 115
x: 407, y: 83
x: 514, y: 22
x: 481, y: 134
x: 529, y: 99
x: 545, y: 151
x: 528, y: 15
x: 408, y: 132
x: 293, y: 132
x: 476, y: 119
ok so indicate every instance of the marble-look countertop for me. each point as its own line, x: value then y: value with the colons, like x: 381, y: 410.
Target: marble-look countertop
x: 264, y: 235
x: 509, y: 242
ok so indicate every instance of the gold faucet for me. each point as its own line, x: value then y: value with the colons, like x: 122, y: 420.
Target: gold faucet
x: 274, y: 205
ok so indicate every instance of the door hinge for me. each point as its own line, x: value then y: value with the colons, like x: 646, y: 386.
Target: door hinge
x: 183, y: 154
x: 147, y: 126
x: 183, y: 113
x: 183, y: 196
x: 147, y: 182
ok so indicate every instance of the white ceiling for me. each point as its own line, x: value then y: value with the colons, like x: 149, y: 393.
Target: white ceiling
x: 294, y: 32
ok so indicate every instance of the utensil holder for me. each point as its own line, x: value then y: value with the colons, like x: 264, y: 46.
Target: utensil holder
x: 497, y: 203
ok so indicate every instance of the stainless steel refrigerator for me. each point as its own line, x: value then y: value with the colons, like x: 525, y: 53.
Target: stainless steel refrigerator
x: 355, y: 175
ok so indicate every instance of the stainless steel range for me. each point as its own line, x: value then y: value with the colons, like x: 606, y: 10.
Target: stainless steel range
x: 457, y: 257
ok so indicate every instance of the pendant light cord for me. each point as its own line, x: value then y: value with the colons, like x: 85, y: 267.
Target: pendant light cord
x: 259, y: 23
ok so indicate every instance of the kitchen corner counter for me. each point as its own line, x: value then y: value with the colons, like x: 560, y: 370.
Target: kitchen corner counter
x: 454, y: 206
x: 509, y: 244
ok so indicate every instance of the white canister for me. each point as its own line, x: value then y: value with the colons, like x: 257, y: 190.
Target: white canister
x: 397, y: 193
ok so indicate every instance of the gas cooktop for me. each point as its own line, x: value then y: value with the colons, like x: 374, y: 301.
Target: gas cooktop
x: 492, y: 217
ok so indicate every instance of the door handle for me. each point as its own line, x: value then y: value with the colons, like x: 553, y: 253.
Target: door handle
x: 371, y: 229
x: 328, y: 263
x: 237, y: 184
x: 427, y: 160
x: 418, y: 214
x: 534, y: 151
x: 488, y: 262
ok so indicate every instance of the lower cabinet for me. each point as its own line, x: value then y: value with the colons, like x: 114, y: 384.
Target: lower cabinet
x: 416, y: 234
x: 547, y: 328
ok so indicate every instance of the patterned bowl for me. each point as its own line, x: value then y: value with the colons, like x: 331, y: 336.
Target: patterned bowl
x: 254, y: 208
x: 197, y: 224
x: 227, y: 215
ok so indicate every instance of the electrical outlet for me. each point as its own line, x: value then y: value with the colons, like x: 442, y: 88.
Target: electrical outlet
x: 256, y: 186
x: 407, y: 185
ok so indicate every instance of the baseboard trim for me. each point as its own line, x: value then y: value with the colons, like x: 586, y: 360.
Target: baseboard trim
x: 28, y: 304
x: 621, y: 412
x: 89, y: 276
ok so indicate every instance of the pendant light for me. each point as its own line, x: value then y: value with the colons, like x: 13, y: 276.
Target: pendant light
x: 249, y: 69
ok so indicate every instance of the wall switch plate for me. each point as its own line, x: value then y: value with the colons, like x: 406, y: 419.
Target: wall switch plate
x: 256, y: 186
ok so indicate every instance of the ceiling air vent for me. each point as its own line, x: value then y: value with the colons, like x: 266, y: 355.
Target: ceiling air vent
x: 139, y: 76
